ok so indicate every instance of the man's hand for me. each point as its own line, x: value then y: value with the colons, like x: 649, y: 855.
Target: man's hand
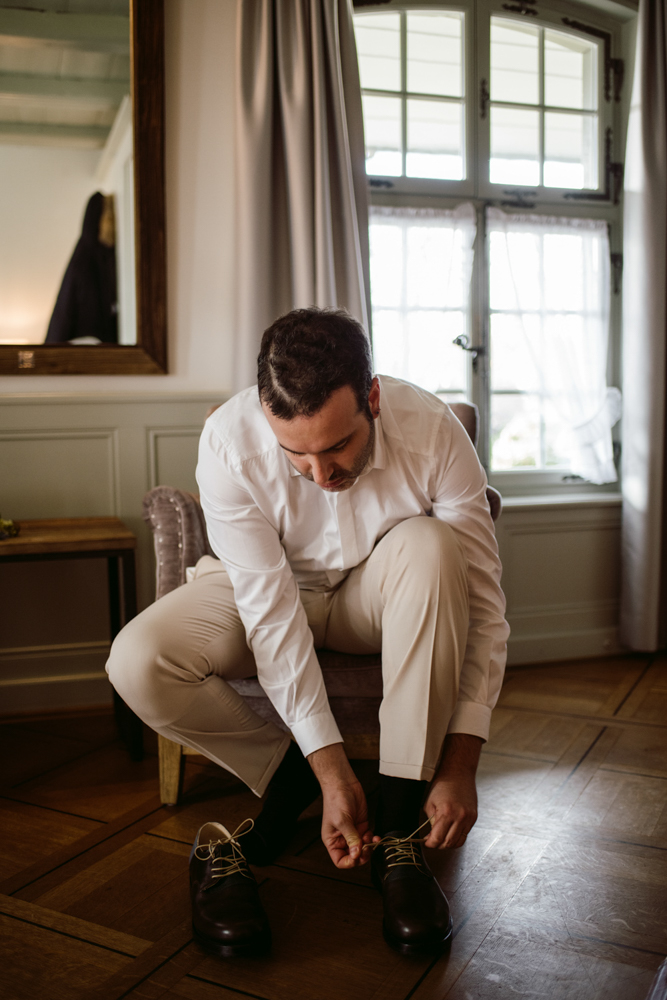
x: 452, y: 800
x: 345, y: 829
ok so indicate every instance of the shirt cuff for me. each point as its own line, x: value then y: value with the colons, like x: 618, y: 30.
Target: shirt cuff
x: 471, y: 718
x: 315, y: 732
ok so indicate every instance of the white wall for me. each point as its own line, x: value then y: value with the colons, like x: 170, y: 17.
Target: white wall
x: 200, y: 40
x: 115, y: 174
x: 43, y: 196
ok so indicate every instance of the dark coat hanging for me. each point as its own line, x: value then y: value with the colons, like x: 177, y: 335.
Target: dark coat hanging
x: 87, y: 305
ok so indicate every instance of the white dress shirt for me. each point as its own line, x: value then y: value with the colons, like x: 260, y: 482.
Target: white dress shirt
x: 276, y: 532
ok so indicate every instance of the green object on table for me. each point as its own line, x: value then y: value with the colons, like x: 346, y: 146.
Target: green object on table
x: 8, y: 529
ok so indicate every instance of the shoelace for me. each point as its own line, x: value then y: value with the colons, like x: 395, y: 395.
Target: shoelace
x: 234, y: 864
x: 402, y: 850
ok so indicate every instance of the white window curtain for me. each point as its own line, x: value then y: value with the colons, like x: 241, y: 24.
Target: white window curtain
x: 550, y: 282
x: 302, y: 214
x: 644, y: 533
x: 421, y: 263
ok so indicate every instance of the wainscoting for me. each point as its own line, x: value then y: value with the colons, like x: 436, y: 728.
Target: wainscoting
x: 561, y: 576
x: 68, y: 456
x: 74, y: 456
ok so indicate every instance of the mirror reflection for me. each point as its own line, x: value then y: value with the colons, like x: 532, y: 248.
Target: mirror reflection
x: 66, y: 173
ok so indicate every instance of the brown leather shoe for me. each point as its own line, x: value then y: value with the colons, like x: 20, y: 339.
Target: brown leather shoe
x: 416, y: 913
x: 227, y: 914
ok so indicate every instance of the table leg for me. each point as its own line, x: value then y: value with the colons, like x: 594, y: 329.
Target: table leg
x: 129, y: 725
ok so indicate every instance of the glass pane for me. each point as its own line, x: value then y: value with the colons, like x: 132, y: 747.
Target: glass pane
x: 570, y: 151
x: 515, y: 145
x: 557, y: 450
x: 433, y: 361
x: 435, y: 53
x: 570, y: 71
x: 435, y: 140
x: 515, y: 432
x: 390, y: 346
x: 417, y: 346
x: 386, y: 246
x: 514, y: 352
x: 514, y: 62
x: 515, y: 270
x: 420, y: 299
x: 378, y: 39
x: 382, y: 126
x: 564, y: 271
x: 434, y: 263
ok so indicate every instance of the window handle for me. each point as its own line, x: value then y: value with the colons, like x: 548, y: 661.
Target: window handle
x: 484, y: 98
x: 463, y: 341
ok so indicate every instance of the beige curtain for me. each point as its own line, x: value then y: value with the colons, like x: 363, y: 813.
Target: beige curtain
x: 643, y: 605
x: 302, y: 215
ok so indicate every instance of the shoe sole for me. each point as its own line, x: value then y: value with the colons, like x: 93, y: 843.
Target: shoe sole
x: 407, y: 948
x: 252, y: 949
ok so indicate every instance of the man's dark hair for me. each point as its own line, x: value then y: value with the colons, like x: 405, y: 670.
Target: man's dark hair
x: 309, y: 353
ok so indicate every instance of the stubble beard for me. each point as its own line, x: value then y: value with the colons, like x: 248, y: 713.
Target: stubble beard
x: 348, y: 477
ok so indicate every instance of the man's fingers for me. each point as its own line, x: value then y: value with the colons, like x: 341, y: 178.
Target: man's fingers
x: 448, y: 832
x: 352, y: 838
x: 439, y: 830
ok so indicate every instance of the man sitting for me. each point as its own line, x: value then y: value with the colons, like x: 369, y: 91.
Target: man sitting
x: 348, y: 512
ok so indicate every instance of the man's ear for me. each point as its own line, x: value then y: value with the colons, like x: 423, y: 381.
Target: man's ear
x: 374, y: 398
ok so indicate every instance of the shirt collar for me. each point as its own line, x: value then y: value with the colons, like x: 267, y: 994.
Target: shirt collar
x: 378, y: 459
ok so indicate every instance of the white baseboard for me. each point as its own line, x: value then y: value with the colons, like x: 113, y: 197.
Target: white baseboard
x: 45, y: 694
x: 54, y: 677
x: 572, y: 645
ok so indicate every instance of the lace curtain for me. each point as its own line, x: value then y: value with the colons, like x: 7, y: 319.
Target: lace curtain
x: 550, y: 279
x: 421, y: 264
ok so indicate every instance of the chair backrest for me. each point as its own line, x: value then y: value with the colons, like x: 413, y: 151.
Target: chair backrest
x: 179, y: 535
x: 468, y: 414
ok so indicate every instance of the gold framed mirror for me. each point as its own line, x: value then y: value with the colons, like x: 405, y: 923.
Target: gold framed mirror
x: 43, y: 36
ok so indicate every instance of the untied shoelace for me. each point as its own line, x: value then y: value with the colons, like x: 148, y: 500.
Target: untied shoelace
x: 402, y: 850
x: 232, y: 864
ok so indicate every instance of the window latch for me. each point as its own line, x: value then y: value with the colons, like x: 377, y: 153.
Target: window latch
x: 484, y: 98
x: 463, y: 341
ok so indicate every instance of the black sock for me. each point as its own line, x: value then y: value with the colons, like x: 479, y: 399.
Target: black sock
x: 291, y: 790
x: 398, y: 805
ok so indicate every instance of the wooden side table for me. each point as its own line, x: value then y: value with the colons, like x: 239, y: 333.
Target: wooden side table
x: 90, y: 538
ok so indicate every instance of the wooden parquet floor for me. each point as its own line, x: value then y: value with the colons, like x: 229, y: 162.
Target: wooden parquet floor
x: 560, y: 892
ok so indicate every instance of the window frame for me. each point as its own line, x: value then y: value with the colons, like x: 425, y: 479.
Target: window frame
x: 418, y: 192
x: 546, y: 18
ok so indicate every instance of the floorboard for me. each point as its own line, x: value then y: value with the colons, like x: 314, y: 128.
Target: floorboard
x: 560, y: 890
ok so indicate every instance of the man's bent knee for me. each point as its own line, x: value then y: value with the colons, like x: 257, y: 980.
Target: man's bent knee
x: 140, y: 672
x: 425, y: 541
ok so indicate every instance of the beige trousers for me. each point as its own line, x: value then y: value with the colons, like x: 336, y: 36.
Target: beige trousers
x: 408, y: 599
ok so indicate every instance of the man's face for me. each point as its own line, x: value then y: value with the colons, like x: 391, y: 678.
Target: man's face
x: 332, y: 447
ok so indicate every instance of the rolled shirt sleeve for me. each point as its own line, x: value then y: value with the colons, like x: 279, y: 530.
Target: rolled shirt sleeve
x: 459, y: 498
x: 267, y: 597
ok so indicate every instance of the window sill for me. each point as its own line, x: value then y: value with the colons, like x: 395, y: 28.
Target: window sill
x: 557, y: 502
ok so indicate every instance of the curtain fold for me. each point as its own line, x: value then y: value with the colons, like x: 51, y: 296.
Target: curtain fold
x: 302, y: 210
x: 644, y: 538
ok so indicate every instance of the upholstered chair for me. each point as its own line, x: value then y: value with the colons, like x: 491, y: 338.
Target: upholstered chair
x: 353, y: 683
